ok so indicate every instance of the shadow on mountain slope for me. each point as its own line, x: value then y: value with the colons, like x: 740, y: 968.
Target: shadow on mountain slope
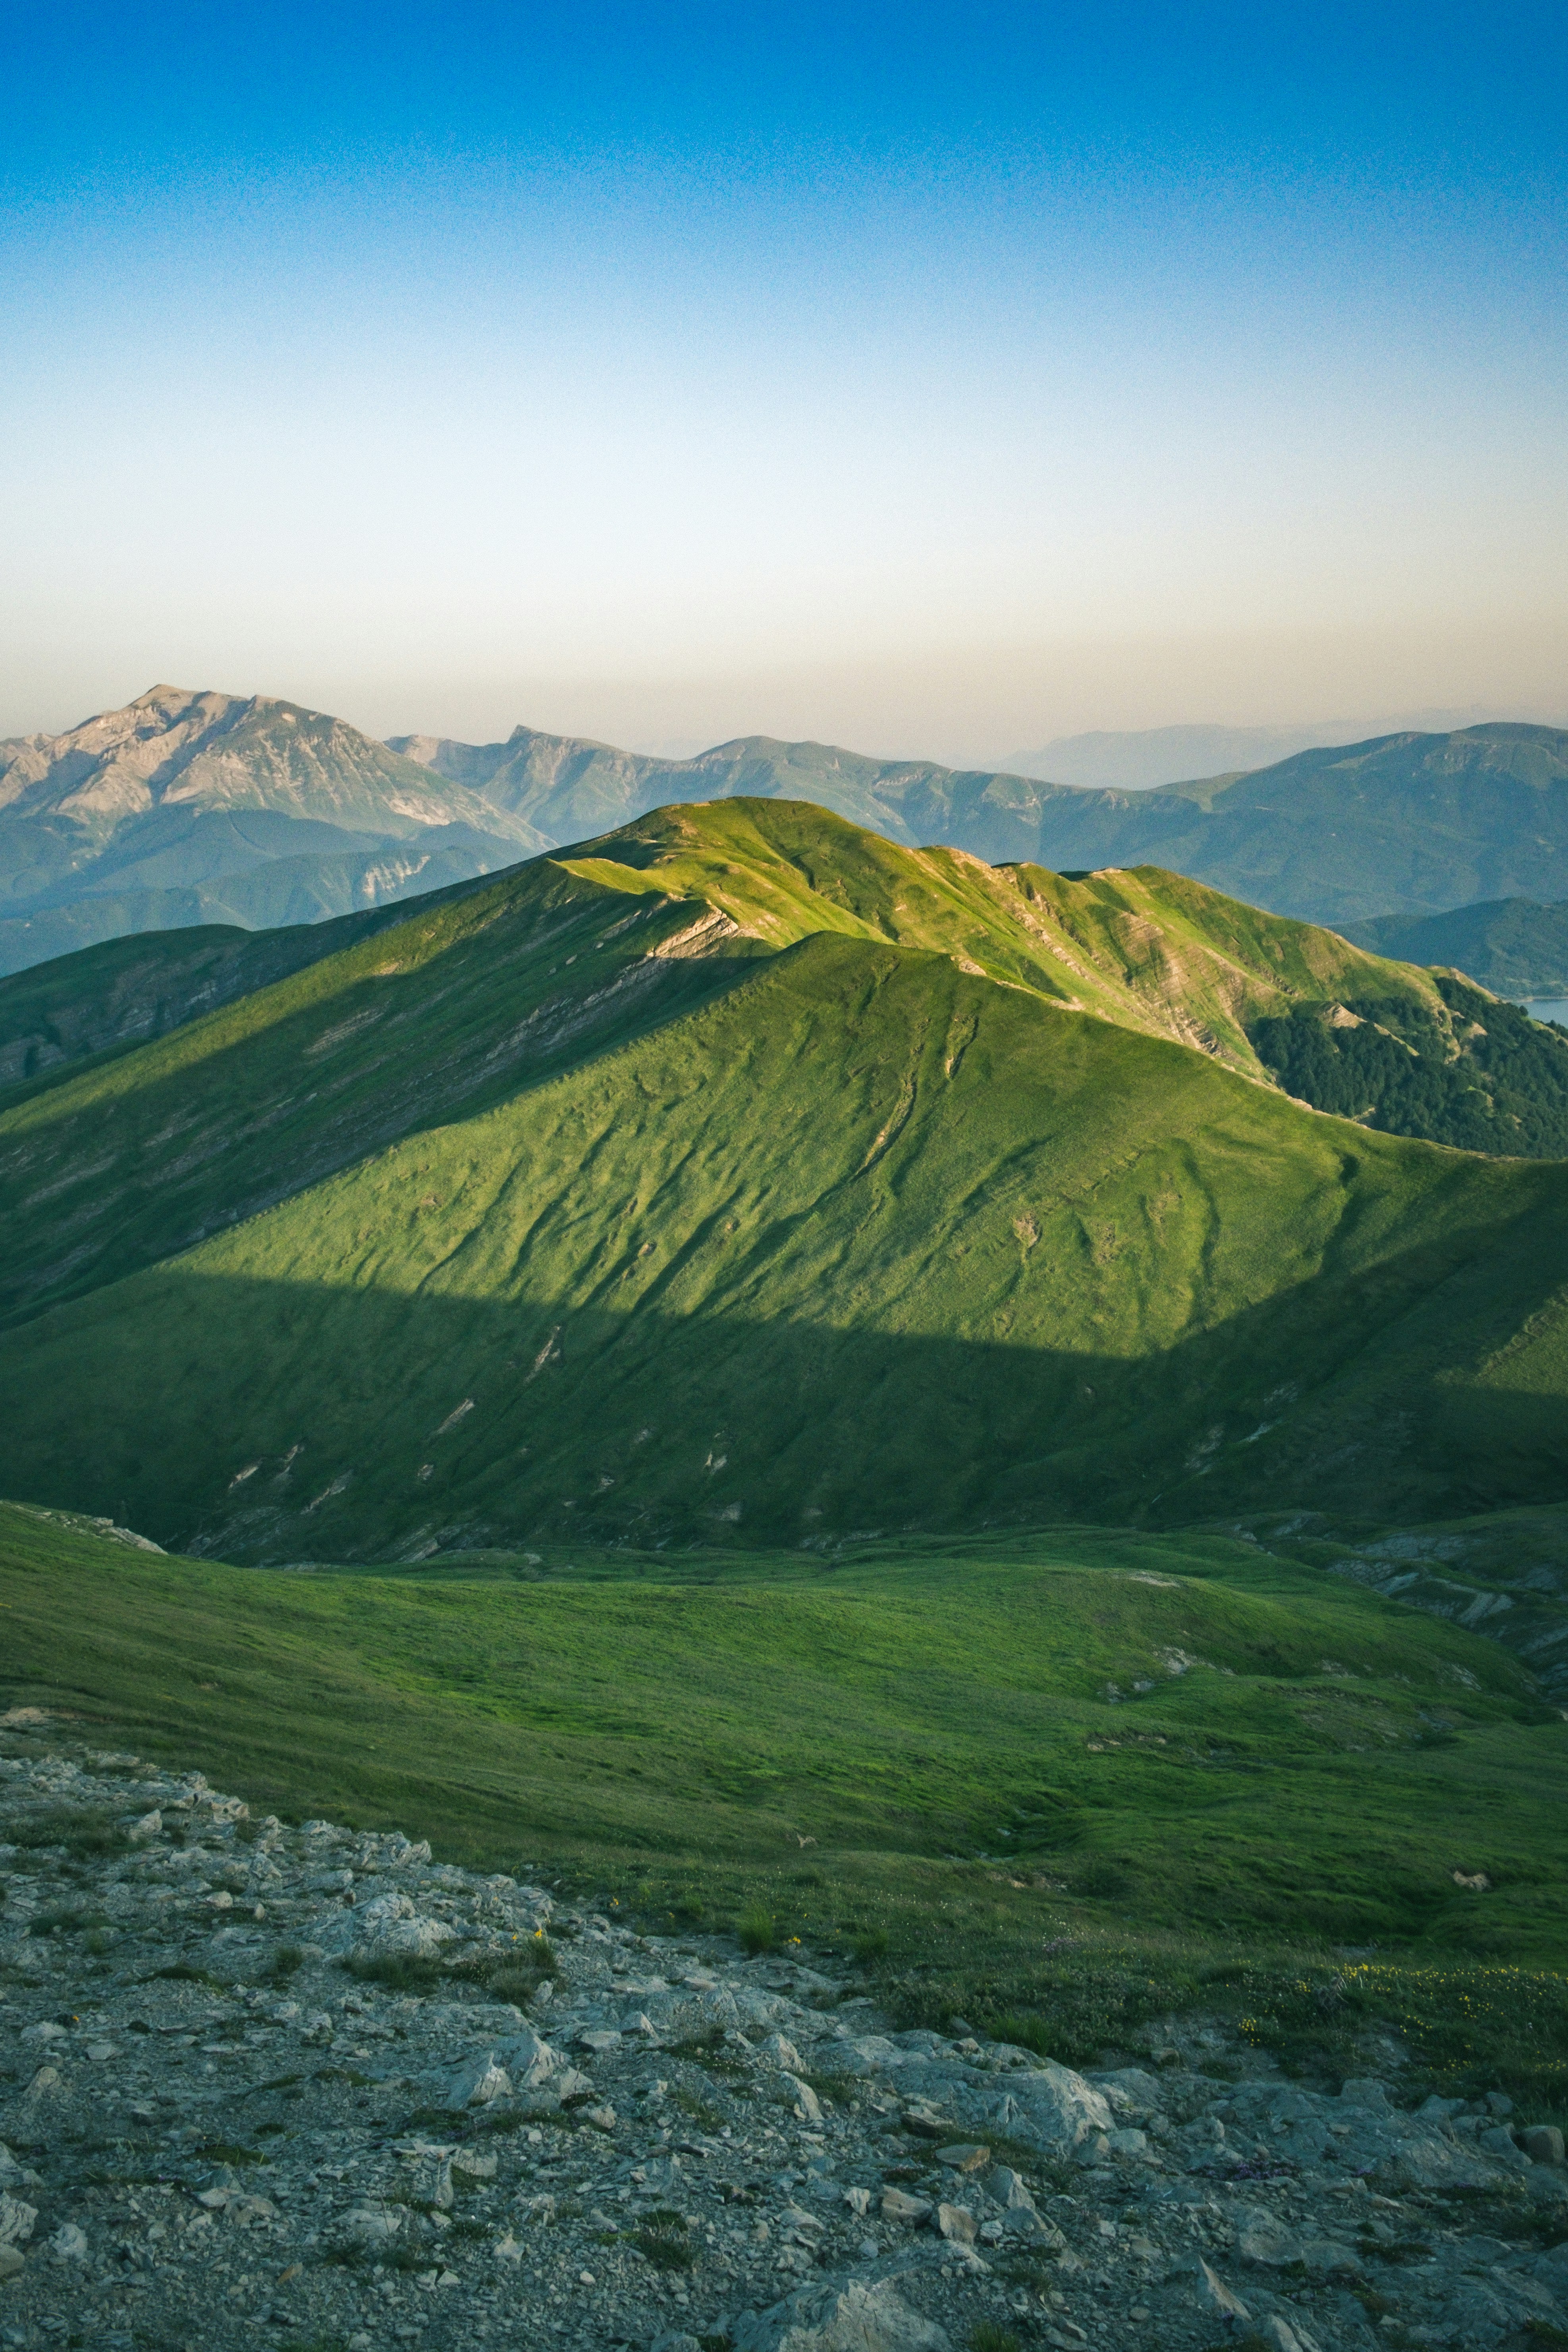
x: 269, y: 1420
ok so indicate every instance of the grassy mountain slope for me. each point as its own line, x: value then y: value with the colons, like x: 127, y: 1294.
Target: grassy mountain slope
x: 453, y: 1009
x: 570, y: 1204
x: 987, y: 1746
x: 215, y: 1123
x: 174, y: 809
x: 1512, y: 946
x: 131, y: 988
x: 1411, y: 1052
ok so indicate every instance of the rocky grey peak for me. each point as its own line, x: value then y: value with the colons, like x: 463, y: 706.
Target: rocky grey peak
x: 175, y: 748
x: 256, y: 2075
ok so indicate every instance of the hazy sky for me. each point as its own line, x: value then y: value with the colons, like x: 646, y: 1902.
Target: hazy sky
x: 928, y: 378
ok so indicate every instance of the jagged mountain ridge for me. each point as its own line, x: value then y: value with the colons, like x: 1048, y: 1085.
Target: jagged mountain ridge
x: 175, y: 749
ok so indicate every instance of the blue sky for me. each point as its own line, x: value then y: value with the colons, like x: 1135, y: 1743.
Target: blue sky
x: 930, y: 379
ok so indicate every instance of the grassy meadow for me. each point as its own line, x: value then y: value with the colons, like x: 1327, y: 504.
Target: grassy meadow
x: 1069, y: 1780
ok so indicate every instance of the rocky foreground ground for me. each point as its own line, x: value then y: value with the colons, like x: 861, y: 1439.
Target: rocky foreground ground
x: 257, y: 2081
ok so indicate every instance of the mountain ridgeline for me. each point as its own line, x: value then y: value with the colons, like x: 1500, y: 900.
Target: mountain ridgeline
x: 186, y: 809
x: 1411, y: 1052
x: 741, y: 1176
x: 1408, y: 824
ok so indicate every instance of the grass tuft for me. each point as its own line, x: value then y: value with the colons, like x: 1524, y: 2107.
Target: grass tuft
x: 81, y: 1830
x: 755, y: 1929
x: 662, y: 2239
x: 398, y: 1972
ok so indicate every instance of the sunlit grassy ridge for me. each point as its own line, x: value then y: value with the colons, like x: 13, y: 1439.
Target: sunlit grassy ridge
x: 1147, y: 949
x: 668, y: 1193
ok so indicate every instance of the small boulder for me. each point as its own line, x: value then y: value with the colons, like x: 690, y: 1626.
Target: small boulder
x: 1014, y: 2190
x: 16, y: 2219
x: 373, y: 2224
x: 1215, y: 2299
x: 1542, y: 2143
x: 247, y: 2210
x: 957, y: 2223
x: 829, y: 2318
x: 476, y: 2082
x: 807, y: 2105
x: 1283, y: 2335
x: 529, y: 2061
x: 1263, y: 2239
x: 1499, y: 2144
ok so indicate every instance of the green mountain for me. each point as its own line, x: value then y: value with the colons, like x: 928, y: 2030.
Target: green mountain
x: 1512, y: 946
x: 1411, y: 1052
x: 743, y: 1176
x: 190, y: 808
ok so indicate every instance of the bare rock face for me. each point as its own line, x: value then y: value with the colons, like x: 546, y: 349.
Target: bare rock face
x: 382, y: 2100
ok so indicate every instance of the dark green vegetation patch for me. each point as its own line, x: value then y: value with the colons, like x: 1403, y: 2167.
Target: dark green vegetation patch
x: 1475, y: 1072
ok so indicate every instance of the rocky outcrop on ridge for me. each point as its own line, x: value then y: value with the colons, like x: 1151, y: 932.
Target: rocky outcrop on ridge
x: 267, y: 2083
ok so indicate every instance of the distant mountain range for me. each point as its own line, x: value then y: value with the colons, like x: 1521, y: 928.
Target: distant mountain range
x: 190, y: 809
x: 1407, y: 824
x: 1137, y: 760
x: 746, y: 1177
